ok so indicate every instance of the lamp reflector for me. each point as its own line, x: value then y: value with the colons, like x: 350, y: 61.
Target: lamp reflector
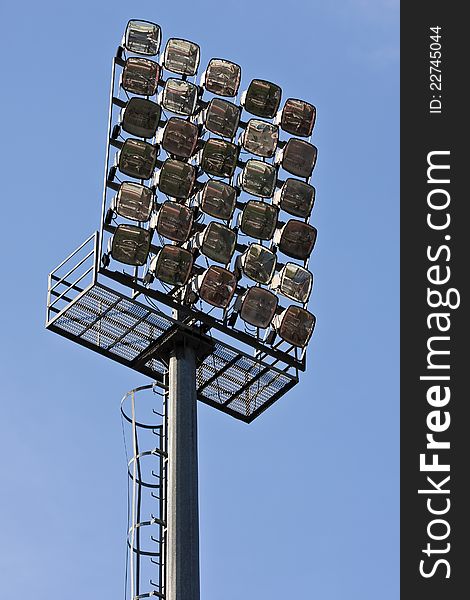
x: 140, y: 76
x: 130, y: 244
x: 258, y: 178
x: 261, y: 138
x: 217, y: 286
x: 295, y: 326
x: 176, y: 178
x: 222, y: 77
x: 219, y: 158
x: 299, y: 157
x: 141, y: 117
x: 179, y: 96
x: 222, y: 117
x: 259, y: 220
x: 297, y: 239
x: 175, y: 221
x: 298, y: 117
x: 259, y: 307
x: 180, y: 137
x: 262, y: 98
x: 181, y: 56
x: 134, y: 201
x: 258, y: 263
x: 218, y: 199
x: 142, y: 37
x: 137, y: 159
x: 297, y: 197
x: 295, y: 282
x: 172, y: 265
x: 218, y: 242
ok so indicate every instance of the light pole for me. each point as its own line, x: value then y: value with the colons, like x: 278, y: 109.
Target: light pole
x: 198, y: 277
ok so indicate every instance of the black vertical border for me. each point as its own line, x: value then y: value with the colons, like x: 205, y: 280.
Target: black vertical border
x: 421, y: 133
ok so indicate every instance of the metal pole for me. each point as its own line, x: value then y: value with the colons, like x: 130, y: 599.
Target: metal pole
x: 183, y: 510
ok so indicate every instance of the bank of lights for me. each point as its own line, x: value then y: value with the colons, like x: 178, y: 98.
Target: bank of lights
x: 213, y: 195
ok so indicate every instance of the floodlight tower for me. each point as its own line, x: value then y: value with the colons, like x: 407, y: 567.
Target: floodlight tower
x: 186, y: 280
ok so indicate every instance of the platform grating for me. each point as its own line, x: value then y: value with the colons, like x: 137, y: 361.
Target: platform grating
x: 121, y: 328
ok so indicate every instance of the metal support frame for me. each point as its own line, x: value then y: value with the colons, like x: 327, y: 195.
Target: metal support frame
x: 237, y: 374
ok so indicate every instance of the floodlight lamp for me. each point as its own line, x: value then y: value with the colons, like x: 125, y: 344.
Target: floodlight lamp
x: 218, y: 242
x: 175, y: 221
x: 218, y: 199
x: 181, y: 56
x: 179, y: 96
x: 262, y: 98
x: 172, y: 265
x: 295, y: 282
x: 217, y: 286
x: 219, y: 158
x: 140, y: 76
x: 259, y: 307
x: 297, y: 239
x: 131, y: 245
x: 260, y: 138
x: 295, y: 325
x: 142, y: 37
x: 180, y: 137
x: 176, y: 178
x: 259, y: 220
x: 222, y: 117
x: 296, y: 197
x: 137, y: 159
x: 141, y: 117
x: 258, y: 263
x: 222, y: 77
x: 258, y: 178
x: 133, y: 201
x: 299, y: 157
x: 298, y: 117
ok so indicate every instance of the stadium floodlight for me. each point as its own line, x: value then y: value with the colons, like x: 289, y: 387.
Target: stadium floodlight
x: 137, y: 159
x: 260, y: 138
x: 180, y: 137
x: 176, y: 178
x: 299, y: 157
x: 217, y: 286
x: 140, y: 76
x: 295, y: 282
x: 141, y: 117
x: 298, y: 117
x: 258, y: 178
x: 295, y: 325
x: 167, y: 288
x: 175, y: 221
x: 142, y: 37
x: 181, y: 56
x: 172, y: 265
x: 217, y: 242
x: 259, y: 307
x: 133, y: 201
x: 297, y: 239
x: 258, y: 263
x: 296, y: 197
x: 130, y: 244
x: 219, y: 158
x: 179, y: 96
x: 218, y: 199
x: 262, y: 98
x: 259, y: 220
x: 222, y: 117
x: 222, y: 77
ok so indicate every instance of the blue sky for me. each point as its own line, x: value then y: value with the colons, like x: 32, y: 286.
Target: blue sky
x: 303, y: 503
